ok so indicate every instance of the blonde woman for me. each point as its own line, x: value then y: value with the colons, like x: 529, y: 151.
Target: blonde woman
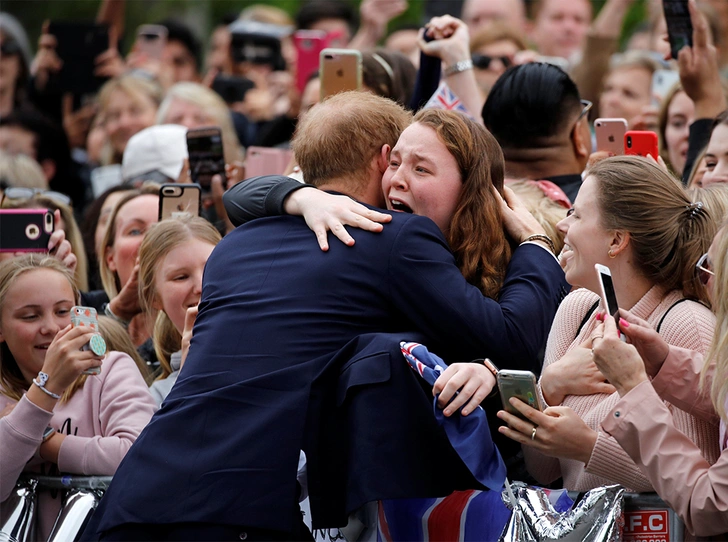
x: 633, y: 217
x: 172, y: 259
x: 127, y: 105
x: 195, y: 106
x: 20, y: 170
x: 673, y: 464
x: 130, y: 219
x: 53, y: 418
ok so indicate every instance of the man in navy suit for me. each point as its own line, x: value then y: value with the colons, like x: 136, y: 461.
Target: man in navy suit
x: 219, y: 459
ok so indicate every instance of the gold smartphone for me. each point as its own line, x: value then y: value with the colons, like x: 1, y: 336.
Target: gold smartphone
x: 340, y: 71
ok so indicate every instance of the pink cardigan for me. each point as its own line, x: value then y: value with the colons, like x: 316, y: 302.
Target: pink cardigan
x: 675, y: 466
x: 101, y: 420
x: 688, y: 325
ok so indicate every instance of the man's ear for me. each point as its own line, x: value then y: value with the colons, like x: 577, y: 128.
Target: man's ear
x: 582, y: 147
x: 383, y: 158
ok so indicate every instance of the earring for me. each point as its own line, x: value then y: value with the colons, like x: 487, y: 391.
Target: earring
x: 611, y: 254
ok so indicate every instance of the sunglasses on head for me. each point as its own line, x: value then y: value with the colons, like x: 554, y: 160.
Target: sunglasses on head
x: 19, y: 193
x: 483, y: 61
x: 704, y: 268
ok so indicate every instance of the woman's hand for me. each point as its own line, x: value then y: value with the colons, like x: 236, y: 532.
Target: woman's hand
x: 65, y: 361
x: 618, y: 361
x: 574, y: 374
x: 59, y: 247
x: 46, y: 61
x: 699, y: 71
x: 473, y: 381
x: 326, y: 212
x: 518, y: 221
x: 190, y: 317
x: 650, y: 345
x: 126, y: 304
x: 451, y: 40
x: 560, y: 432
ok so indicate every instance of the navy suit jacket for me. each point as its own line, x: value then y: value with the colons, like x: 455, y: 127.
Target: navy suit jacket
x: 274, y: 311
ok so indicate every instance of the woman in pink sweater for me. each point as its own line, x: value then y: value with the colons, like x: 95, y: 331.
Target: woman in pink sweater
x: 54, y: 419
x: 635, y: 219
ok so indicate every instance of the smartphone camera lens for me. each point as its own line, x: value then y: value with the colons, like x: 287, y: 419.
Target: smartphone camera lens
x: 32, y: 232
x: 629, y: 142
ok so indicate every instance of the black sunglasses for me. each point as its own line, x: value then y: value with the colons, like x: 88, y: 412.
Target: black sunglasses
x: 483, y: 61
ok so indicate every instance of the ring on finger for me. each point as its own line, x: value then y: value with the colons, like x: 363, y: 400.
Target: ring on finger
x: 533, y: 434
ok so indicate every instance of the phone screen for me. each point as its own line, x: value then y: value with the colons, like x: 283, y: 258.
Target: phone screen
x: 679, y: 25
x: 205, y: 156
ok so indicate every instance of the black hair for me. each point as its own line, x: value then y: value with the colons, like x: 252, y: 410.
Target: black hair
x: 529, y: 104
x: 317, y: 10
x: 177, y: 31
x: 50, y: 143
x: 398, y: 86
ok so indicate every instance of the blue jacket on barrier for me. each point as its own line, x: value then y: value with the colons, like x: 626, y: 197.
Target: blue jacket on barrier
x: 274, y: 311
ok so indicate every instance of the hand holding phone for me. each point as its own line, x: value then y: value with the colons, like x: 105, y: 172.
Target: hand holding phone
x: 206, y: 158
x: 641, y: 143
x: 519, y: 384
x: 25, y: 230
x: 87, y: 317
x: 610, y: 135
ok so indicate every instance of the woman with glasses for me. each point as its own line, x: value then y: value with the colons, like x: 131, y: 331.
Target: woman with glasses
x: 634, y: 218
x: 673, y: 464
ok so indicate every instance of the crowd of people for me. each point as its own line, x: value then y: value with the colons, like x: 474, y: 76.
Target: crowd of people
x: 457, y: 198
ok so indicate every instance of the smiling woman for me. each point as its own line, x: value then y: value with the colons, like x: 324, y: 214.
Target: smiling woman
x: 172, y: 258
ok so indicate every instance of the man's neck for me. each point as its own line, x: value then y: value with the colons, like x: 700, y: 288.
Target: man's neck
x: 369, y: 192
x: 538, y: 164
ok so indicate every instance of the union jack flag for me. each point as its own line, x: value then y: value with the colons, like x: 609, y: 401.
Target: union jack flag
x: 444, y: 98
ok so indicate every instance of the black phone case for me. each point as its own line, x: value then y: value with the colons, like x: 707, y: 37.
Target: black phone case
x: 24, y: 232
x: 206, y: 157
x: 679, y: 26
x: 78, y: 46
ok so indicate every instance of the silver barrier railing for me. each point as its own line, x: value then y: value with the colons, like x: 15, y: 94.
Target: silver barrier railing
x: 81, y: 496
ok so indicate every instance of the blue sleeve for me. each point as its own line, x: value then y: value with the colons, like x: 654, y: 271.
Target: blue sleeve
x: 258, y: 197
x: 428, y: 79
x: 429, y: 288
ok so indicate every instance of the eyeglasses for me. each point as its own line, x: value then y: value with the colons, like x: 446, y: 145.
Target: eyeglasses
x: 483, y: 61
x: 587, y: 107
x: 704, y: 269
x: 16, y: 192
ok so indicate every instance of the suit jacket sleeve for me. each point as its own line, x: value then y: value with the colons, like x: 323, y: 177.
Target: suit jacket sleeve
x: 427, y: 286
x: 258, y: 197
x: 673, y: 463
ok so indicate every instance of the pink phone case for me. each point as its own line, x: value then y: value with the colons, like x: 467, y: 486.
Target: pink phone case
x: 610, y: 135
x: 266, y: 161
x: 309, y: 44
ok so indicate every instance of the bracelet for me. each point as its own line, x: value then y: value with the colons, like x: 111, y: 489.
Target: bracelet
x: 540, y: 237
x: 107, y: 312
x: 40, y: 381
x: 461, y: 66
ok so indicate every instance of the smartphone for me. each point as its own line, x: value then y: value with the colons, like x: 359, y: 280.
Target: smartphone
x: 340, y: 71
x: 257, y: 43
x: 520, y: 384
x: 662, y: 82
x: 308, y: 44
x: 78, y: 46
x: 679, y: 25
x: 177, y: 200
x: 641, y: 144
x: 266, y: 161
x: 151, y: 39
x: 609, y: 296
x: 204, y: 147
x: 87, y: 317
x: 610, y: 135
x: 231, y: 88
x: 25, y: 230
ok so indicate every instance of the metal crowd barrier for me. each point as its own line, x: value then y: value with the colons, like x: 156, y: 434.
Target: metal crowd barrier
x: 81, y: 496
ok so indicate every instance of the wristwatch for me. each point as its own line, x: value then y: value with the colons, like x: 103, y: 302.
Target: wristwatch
x: 493, y: 369
x: 48, y: 433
